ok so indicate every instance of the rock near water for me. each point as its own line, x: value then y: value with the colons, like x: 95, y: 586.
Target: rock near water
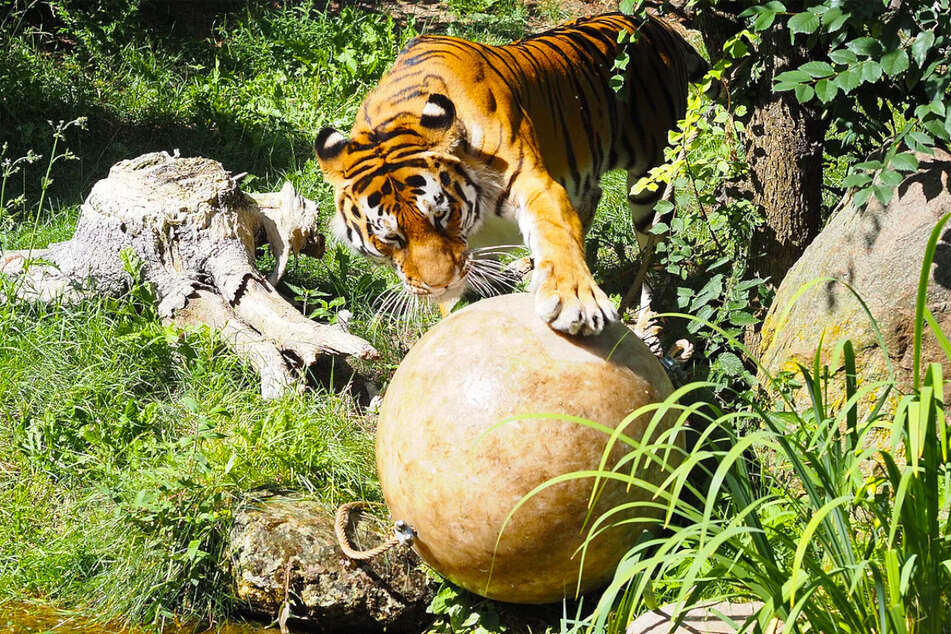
x: 284, y: 548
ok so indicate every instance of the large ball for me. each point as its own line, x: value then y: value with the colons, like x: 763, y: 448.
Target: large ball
x: 450, y: 471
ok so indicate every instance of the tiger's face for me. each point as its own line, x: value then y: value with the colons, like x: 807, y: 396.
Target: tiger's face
x: 404, y: 199
x: 417, y: 219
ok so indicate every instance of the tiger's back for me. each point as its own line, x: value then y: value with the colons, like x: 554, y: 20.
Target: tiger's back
x: 560, y: 81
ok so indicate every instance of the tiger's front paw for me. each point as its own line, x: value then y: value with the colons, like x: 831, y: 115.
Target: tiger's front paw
x: 570, y: 300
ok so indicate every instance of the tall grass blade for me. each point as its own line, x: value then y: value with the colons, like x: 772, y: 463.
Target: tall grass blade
x: 921, y: 294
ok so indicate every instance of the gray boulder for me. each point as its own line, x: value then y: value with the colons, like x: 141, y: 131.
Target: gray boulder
x: 878, y: 251
x: 284, y: 547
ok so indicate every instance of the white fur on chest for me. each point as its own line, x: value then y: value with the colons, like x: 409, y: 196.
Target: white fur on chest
x: 495, y: 230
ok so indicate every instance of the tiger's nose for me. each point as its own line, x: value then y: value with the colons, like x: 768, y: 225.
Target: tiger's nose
x: 433, y: 268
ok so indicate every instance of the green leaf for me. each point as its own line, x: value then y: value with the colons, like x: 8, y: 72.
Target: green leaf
x: 730, y: 363
x: 662, y: 207
x: 742, y: 318
x: 736, y: 48
x: 856, y: 180
x: 861, y: 197
x: 906, y: 162
x: 890, y: 178
x: 833, y: 19
x: 936, y: 128
x: 921, y: 46
x: 869, y: 165
x: 883, y: 193
x: 793, y: 76
x: 803, y: 23
x: 825, y: 90
x: 895, y: 62
x: 192, y: 551
x: 868, y: 46
x: 764, y: 21
x: 190, y: 404
x: 843, y: 56
x: 871, y: 71
x: 848, y: 80
x: 804, y: 92
x: 817, y: 69
x: 923, y: 110
x: 921, y: 138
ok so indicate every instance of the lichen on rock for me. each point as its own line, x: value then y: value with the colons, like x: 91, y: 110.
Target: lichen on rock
x: 285, y: 549
x: 877, y: 252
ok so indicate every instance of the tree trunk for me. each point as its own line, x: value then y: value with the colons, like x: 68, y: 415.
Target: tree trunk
x: 194, y: 234
x: 784, y: 146
x: 784, y: 140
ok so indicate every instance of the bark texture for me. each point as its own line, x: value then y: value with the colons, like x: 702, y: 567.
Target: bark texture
x: 784, y: 140
x: 784, y: 148
x: 195, y: 233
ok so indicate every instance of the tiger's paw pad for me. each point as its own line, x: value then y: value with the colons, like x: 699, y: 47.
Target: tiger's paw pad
x: 577, y: 307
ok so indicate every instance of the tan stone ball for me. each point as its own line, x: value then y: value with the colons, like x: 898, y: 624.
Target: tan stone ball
x: 454, y: 475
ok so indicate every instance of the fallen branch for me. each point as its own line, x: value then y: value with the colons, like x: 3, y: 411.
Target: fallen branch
x: 195, y: 233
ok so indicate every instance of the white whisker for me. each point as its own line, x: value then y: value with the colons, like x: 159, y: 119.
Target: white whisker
x: 496, y: 247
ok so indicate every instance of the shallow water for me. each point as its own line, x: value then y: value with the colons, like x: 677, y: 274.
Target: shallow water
x: 28, y: 618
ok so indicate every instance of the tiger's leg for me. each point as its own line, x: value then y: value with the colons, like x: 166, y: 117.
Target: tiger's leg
x: 641, y: 205
x: 643, y: 218
x: 586, y: 204
x: 566, y: 295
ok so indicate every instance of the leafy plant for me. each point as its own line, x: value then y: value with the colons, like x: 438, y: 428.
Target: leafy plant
x: 315, y: 303
x: 465, y: 8
x: 706, y: 234
x: 876, y: 69
x: 460, y: 612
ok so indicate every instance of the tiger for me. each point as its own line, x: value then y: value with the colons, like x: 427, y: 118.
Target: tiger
x: 462, y: 145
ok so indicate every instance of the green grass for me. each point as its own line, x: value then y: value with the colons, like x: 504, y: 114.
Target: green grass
x: 126, y: 447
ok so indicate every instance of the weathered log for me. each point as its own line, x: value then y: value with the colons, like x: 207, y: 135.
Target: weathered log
x: 195, y: 233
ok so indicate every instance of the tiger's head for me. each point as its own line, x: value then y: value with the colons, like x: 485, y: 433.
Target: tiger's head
x: 405, y: 197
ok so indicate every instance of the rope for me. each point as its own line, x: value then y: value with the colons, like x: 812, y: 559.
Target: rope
x: 403, y: 535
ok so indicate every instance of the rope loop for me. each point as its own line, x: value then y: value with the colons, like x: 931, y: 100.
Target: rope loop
x: 403, y: 534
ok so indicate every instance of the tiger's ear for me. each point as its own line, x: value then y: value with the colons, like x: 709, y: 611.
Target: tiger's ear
x: 439, y: 113
x: 330, y: 148
x: 439, y: 123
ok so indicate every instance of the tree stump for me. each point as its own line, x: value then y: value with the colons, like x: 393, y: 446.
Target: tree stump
x: 195, y: 233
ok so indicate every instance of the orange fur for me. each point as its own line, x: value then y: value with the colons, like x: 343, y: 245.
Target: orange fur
x: 457, y: 131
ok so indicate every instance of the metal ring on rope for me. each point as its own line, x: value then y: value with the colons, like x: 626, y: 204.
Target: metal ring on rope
x: 403, y: 535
